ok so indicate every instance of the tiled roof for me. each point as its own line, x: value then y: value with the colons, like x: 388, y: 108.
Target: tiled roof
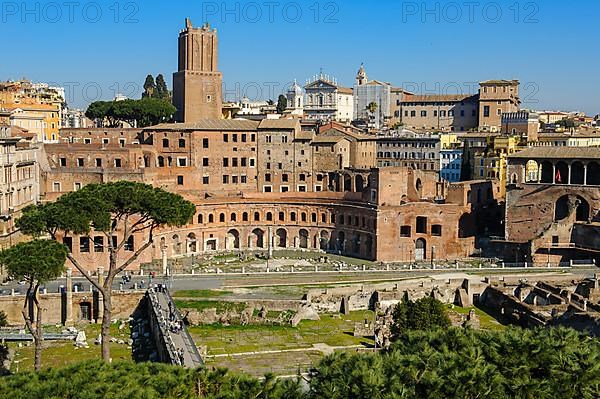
x: 279, y: 124
x: 209, y: 124
x: 327, y: 139
x: 499, y: 82
x: 559, y: 153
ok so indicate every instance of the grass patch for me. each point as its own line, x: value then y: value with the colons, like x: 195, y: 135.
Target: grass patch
x: 62, y: 353
x: 220, y: 306
x: 332, y: 329
x: 201, y: 293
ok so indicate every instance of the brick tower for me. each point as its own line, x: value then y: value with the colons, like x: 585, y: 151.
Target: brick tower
x: 197, y: 85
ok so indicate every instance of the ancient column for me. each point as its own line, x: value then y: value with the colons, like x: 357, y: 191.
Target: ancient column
x: 163, y: 253
x: 100, y: 312
x: 69, y: 298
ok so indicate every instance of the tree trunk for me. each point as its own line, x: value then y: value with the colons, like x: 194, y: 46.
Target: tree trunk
x: 106, y: 320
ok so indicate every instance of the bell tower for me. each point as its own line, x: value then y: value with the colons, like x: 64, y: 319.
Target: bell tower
x: 197, y: 85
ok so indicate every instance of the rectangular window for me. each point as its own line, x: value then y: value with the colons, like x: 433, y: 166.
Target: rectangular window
x: 244, y: 162
x: 225, y: 162
x: 117, y: 162
x: 243, y: 179
x: 234, y: 162
x: 486, y: 111
x: 98, y: 244
x: 180, y: 180
x: 204, y: 143
x: 225, y: 179
x: 225, y: 138
x: 182, y: 162
x: 76, y: 186
x: 234, y: 179
x: 267, y: 177
x: 205, y: 180
x: 84, y: 244
x: 204, y: 161
x: 235, y: 137
x: 122, y: 142
x: 56, y: 187
x: 63, y: 162
x: 421, y: 225
x: 405, y: 231
x: 436, y: 230
x: 80, y: 162
x: 244, y: 136
x: 98, y: 162
x: 129, y: 244
x: 252, y: 162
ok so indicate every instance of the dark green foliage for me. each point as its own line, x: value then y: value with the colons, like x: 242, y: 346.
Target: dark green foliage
x: 162, y: 92
x: 37, y: 261
x: 281, y: 104
x: 145, y: 112
x: 566, y: 123
x: 95, y: 205
x: 3, y: 319
x: 441, y: 364
x: 149, y: 87
x: 423, y: 314
x: 459, y: 363
x: 125, y: 380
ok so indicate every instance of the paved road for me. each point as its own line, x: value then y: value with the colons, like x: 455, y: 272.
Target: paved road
x: 199, y: 282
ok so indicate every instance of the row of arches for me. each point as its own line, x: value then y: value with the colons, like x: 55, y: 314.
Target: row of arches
x: 315, y: 217
x: 562, y: 172
x: 351, y: 243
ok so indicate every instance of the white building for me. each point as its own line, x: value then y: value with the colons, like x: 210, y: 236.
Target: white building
x: 75, y: 118
x: 326, y: 101
x: 371, y: 92
x: 450, y: 162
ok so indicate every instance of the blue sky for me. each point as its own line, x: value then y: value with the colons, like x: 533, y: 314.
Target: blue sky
x: 98, y: 48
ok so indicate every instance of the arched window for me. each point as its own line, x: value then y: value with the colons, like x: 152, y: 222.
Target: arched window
x: 233, y: 217
x: 269, y: 217
x: 222, y: 218
x: 281, y: 216
x: 245, y: 216
x: 200, y: 219
x: 165, y: 143
x: 256, y: 216
x: 211, y: 218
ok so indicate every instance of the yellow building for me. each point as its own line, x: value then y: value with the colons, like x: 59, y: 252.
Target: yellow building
x: 41, y: 119
x: 449, y: 140
x: 491, y: 163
